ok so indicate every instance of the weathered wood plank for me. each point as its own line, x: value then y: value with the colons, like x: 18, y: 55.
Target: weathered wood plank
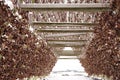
x: 66, y: 40
x: 83, y: 6
x: 64, y: 34
x: 38, y: 23
x: 64, y: 30
x: 66, y: 45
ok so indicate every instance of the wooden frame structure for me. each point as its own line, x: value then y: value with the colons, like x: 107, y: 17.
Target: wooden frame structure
x: 38, y: 23
x: 70, y: 7
x: 88, y: 7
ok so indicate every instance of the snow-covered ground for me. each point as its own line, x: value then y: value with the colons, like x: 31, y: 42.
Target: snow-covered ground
x: 68, y: 78
x: 68, y: 69
x: 68, y: 64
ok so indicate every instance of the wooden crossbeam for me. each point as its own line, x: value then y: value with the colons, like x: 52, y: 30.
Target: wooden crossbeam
x: 38, y: 23
x: 65, y: 30
x: 66, y: 40
x: 64, y: 34
x: 59, y: 50
x: 66, y: 45
x: 64, y: 54
x: 55, y: 45
x: 67, y: 53
x: 70, y: 7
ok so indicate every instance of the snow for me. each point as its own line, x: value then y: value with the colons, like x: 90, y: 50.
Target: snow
x: 9, y: 3
x: 68, y: 78
x: 68, y: 69
x: 68, y: 64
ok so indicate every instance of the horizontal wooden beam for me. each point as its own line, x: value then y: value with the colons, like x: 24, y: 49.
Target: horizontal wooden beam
x: 65, y: 30
x: 67, y: 53
x: 68, y: 7
x: 54, y: 45
x: 66, y: 40
x: 66, y: 45
x: 64, y: 34
x: 38, y: 23
x: 59, y: 50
